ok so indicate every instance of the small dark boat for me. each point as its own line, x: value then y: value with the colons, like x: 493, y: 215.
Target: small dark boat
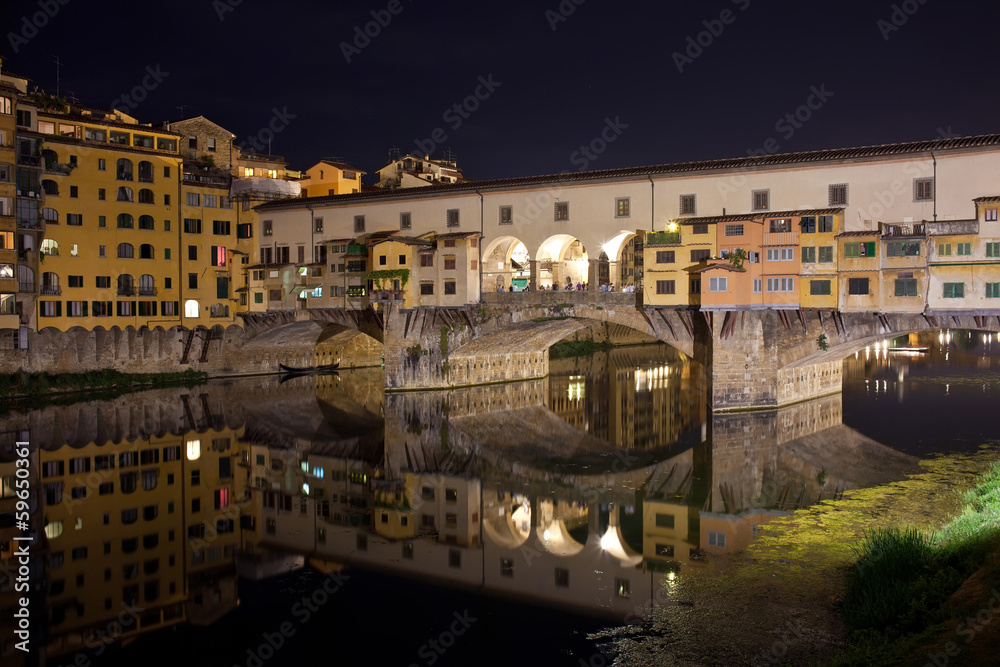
x: 315, y: 370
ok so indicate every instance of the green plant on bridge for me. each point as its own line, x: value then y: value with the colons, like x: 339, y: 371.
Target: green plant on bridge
x: 444, y: 341
x: 821, y: 341
x: 737, y: 257
x: 379, y: 278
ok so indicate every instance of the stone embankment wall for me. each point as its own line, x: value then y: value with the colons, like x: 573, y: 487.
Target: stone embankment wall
x: 222, y: 352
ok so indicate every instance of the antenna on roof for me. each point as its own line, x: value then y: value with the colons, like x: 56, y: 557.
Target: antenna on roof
x: 449, y: 156
x: 55, y: 59
x: 393, y: 154
x: 72, y: 97
x: 181, y: 107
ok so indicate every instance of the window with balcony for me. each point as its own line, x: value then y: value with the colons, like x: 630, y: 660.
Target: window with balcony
x: 124, y: 168
x: 125, y: 194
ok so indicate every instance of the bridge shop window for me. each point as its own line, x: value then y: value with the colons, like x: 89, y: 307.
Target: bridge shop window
x: 734, y: 230
x: 906, y: 287
x: 808, y: 225
x: 449, y: 262
x: 954, y: 290
x: 808, y: 255
x: 665, y: 257
x: 427, y: 288
x: 826, y: 223
x: 857, y: 286
x: 700, y: 255
x: 718, y: 284
x: 426, y: 260
x: 902, y: 249
x: 825, y: 254
x: 780, y: 225
x: 819, y: 287
x: 993, y: 290
x: 701, y: 228
x: 450, y: 287
x: 855, y: 250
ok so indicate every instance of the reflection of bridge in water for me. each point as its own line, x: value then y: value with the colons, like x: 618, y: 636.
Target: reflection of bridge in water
x: 485, y: 487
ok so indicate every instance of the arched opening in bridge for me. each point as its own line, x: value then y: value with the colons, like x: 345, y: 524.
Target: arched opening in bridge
x: 506, y: 263
x: 563, y: 262
x: 623, y: 253
x: 506, y: 518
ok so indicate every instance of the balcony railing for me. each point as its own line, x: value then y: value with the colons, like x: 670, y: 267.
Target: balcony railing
x: 147, y: 291
x: 26, y: 287
x: 29, y: 160
x: 780, y: 238
x: 29, y: 224
x: 126, y: 291
x: 50, y: 290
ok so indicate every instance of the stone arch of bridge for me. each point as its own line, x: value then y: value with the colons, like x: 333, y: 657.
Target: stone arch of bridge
x: 308, y: 343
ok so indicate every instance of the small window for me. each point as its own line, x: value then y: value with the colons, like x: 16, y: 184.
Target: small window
x: 622, y: 207
x: 665, y: 256
x: 562, y: 210
x: 506, y: 215
x: 906, y: 287
x: 688, y: 205
x: 405, y: 221
x: 923, y: 189
x: 762, y: 200
x: 359, y: 225
x: 838, y: 194
x: 734, y: 230
x: 964, y: 249
x: 717, y: 284
x: 665, y: 287
x: 857, y: 286
x: 453, y: 217
x: 426, y: 288
x: 700, y: 228
x: 562, y: 577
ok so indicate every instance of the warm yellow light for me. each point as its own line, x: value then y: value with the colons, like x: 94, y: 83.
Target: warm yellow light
x: 672, y: 227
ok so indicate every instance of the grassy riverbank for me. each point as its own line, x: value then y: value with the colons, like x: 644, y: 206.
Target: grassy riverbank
x: 577, y: 348
x: 37, y: 385
x: 914, y: 596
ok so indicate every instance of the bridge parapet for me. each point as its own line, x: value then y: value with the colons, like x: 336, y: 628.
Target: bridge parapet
x: 555, y: 297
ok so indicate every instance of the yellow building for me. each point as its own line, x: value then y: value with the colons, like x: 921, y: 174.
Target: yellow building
x: 111, y: 220
x: 819, y: 286
x: 213, y: 252
x: 9, y: 260
x: 331, y: 177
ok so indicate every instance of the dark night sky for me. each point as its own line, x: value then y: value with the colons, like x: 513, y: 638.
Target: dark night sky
x: 557, y: 87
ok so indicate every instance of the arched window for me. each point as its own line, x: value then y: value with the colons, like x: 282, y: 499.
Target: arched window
x: 146, y: 196
x: 50, y: 157
x: 193, y: 446
x: 191, y: 308
x: 50, y: 283
x: 50, y: 187
x: 49, y: 247
x: 50, y: 215
x: 146, y: 251
x: 124, y: 194
x: 125, y: 221
x: 126, y: 285
x: 146, y: 172
x: 126, y: 251
x: 124, y: 169
x: 147, y: 286
x: 145, y: 222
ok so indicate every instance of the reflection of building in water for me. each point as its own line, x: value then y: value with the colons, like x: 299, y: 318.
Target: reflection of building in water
x: 137, y: 536
x: 637, y: 397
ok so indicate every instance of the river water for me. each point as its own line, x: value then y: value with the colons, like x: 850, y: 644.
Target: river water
x: 601, y: 512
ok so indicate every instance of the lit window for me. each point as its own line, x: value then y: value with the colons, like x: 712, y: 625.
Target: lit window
x: 193, y: 450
